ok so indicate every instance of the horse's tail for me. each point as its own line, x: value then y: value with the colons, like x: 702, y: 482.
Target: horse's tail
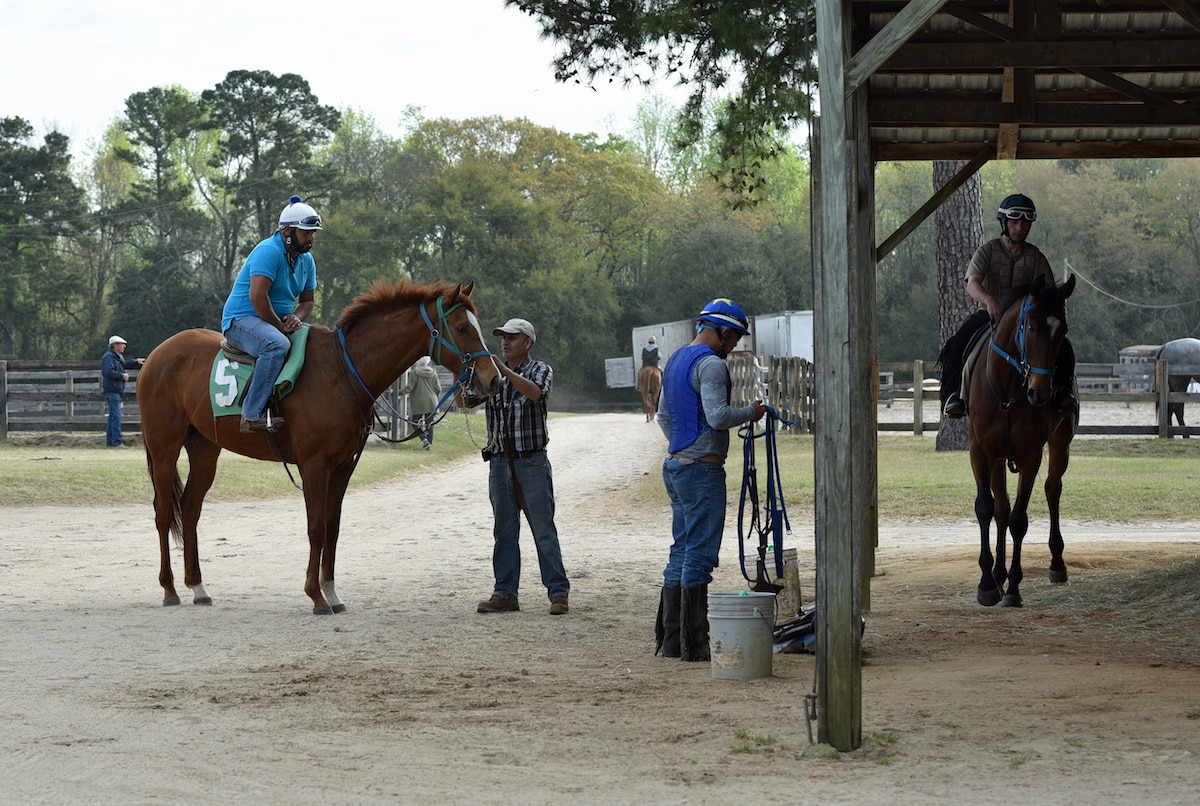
x: 176, y: 499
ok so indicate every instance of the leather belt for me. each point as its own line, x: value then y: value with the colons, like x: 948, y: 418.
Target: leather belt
x: 488, y: 455
x: 687, y: 460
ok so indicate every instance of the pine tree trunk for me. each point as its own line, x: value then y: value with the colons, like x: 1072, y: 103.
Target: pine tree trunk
x: 959, y: 226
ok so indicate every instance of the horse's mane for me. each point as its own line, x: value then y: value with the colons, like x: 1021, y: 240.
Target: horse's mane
x: 1011, y: 295
x: 386, y: 296
x: 1051, y: 296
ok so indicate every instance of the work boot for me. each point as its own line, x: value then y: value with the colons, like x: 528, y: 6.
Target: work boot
x: 955, y: 407
x: 666, y: 626
x: 693, y: 623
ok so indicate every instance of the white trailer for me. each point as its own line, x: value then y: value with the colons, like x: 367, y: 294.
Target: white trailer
x: 789, y: 333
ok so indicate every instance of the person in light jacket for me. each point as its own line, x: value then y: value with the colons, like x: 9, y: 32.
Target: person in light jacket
x: 423, y: 388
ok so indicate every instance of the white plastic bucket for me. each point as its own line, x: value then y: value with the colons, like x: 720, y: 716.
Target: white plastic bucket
x: 741, y: 634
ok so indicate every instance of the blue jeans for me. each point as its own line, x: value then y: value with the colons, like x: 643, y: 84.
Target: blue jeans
x: 697, y: 493
x: 537, y: 502
x: 269, y: 347
x: 112, y: 432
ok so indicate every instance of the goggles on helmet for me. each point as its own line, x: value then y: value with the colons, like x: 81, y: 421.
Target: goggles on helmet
x: 1016, y: 213
x: 309, y: 222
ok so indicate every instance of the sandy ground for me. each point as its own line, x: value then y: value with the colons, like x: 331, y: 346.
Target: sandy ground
x: 412, y: 697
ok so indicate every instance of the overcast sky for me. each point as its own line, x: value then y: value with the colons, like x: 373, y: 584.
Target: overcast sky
x: 70, y: 64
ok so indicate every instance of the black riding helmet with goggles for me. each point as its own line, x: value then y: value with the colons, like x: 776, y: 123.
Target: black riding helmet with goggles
x: 1017, y: 207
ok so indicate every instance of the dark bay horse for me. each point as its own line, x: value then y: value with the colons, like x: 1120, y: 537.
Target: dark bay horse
x: 1010, y: 423
x: 649, y: 383
x: 328, y: 415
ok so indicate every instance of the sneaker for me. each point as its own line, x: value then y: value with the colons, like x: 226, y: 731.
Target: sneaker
x: 559, y: 606
x: 497, y: 604
x: 955, y: 407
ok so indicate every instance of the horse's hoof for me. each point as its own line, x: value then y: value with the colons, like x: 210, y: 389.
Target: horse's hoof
x: 170, y: 601
x: 202, y: 600
x: 1012, y: 600
x: 322, y: 611
x: 987, y: 598
x: 1058, y: 577
x: 339, y: 608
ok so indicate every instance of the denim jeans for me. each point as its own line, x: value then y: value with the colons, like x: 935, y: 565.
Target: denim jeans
x: 697, y: 493
x: 269, y: 347
x: 537, y: 502
x: 112, y: 433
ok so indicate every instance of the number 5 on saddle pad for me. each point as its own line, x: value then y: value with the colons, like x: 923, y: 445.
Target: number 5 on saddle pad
x: 230, y: 379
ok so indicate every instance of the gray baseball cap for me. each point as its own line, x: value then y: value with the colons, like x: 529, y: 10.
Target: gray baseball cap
x: 515, y: 326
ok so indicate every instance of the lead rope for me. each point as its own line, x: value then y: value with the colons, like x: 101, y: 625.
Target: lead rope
x: 775, y: 510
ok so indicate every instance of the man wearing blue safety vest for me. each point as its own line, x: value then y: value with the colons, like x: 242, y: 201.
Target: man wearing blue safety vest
x: 695, y: 415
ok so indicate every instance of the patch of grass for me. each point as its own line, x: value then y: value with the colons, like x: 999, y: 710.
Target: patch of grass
x: 48, y: 470
x: 749, y: 745
x: 882, y: 739
x: 1017, y: 761
x: 1075, y: 742
x: 1122, y: 480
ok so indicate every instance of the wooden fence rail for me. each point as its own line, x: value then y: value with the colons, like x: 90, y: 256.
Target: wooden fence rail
x: 43, y: 396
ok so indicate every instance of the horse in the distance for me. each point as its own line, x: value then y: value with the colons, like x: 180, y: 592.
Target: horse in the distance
x: 1179, y: 353
x: 328, y: 415
x: 649, y: 383
x: 1010, y: 422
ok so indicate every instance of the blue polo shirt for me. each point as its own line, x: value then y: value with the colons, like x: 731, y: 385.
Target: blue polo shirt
x: 269, y: 259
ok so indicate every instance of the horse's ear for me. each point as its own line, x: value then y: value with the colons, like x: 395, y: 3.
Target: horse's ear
x: 466, y: 291
x: 1039, y: 285
x: 1068, y: 287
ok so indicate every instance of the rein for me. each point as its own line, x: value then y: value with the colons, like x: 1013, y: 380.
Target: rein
x: 774, y: 509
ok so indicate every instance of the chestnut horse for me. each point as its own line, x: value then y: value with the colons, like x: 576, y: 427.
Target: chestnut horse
x: 1009, y: 422
x: 649, y: 383
x: 328, y: 415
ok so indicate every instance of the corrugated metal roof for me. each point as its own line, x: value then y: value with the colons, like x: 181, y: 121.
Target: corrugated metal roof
x: 1064, y: 80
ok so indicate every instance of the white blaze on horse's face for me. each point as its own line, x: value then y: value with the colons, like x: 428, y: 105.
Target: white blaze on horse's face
x: 478, y: 328
x: 1054, y: 323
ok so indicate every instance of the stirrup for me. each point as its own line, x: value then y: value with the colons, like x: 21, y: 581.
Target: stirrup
x: 955, y: 407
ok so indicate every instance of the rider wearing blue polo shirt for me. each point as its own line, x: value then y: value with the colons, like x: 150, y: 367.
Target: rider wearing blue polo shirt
x: 272, y: 296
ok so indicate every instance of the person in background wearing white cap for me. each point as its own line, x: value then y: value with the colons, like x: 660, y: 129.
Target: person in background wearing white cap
x: 519, y: 476
x: 272, y: 296
x: 113, y: 376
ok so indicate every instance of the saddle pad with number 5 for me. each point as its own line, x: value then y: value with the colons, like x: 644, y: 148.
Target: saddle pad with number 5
x: 229, y: 379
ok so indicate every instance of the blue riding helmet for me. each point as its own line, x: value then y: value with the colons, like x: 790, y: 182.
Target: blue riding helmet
x: 1017, y: 206
x: 723, y: 312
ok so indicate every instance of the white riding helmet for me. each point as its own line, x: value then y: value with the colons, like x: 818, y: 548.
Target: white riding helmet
x: 299, y: 215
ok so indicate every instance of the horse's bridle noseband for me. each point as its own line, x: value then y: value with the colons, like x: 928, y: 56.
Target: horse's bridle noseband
x: 1022, y: 367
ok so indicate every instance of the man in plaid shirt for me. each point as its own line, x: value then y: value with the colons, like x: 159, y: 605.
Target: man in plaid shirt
x: 520, y: 479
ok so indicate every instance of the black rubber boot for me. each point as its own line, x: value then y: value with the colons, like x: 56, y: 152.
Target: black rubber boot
x: 693, y: 626
x: 666, y: 627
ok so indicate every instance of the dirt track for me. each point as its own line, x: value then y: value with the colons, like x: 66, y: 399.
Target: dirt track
x: 411, y: 696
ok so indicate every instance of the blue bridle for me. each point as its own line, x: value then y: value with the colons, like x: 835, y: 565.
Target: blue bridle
x: 1021, y: 365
